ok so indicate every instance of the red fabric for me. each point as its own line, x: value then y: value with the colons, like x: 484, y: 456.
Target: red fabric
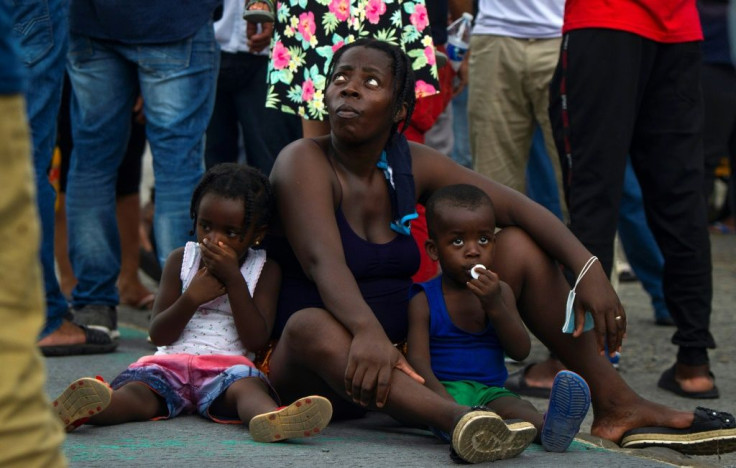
x: 428, y: 268
x: 658, y: 20
x: 426, y: 112
x: 428, y: 109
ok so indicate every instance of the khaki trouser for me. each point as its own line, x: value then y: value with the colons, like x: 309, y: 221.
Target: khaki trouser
x: 508, y: 97
x: 30, y: 435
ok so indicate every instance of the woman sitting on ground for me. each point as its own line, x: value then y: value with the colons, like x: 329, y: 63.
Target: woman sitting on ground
x: 343, y: 302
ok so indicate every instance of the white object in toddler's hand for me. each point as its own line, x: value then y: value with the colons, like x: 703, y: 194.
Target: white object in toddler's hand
x: 473, y: 271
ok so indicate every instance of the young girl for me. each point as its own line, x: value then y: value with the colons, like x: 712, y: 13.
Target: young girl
x: 215, y: 306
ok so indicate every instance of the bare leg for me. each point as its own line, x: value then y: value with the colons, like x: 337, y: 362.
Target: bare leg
x: 67, y: 281
x: 92, y: 401
x: 311, y: 358
x: 132, y: 291
x: 541, y: 293
x: 542, y: 374
x: 133, y: 401
x: 315, y: 128
x: 515, y: 408
x: 244, y: 399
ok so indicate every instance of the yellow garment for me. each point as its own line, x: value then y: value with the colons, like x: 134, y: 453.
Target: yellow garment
x: 30, y: 435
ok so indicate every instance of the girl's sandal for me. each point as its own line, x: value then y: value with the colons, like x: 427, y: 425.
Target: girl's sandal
x: 257, y: 15
x: 82, y: 399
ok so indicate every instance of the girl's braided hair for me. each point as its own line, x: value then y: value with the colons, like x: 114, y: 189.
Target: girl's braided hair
x: 237, y: 182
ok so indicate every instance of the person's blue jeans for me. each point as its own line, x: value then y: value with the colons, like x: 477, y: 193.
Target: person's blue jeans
x: 461, y: 130
x: 42, y: 27
x: 541, y: 183
x: 177, y: 81
x: 641, y: 249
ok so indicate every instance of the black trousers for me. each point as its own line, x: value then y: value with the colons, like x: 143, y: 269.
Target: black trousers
x: 240, y: 107
x: 616, y: 93
x: 719, y: 135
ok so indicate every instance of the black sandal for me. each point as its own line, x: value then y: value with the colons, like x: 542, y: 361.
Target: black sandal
x: 711, y: 433
x: 95, y: 342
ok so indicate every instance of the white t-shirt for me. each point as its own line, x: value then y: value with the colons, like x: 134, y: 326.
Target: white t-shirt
x: 537, y: 19
x: 211, y: 330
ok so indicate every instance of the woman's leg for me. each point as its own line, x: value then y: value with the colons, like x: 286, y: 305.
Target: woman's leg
x: 311, y: 358
x: 541, y: 292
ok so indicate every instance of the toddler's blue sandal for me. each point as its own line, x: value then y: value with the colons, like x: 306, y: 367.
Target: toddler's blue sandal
x: 569, y: 401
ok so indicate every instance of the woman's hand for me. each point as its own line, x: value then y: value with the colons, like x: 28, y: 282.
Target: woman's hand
x: 221, y: 261
x: 595, y: 294
x: 371, y: 361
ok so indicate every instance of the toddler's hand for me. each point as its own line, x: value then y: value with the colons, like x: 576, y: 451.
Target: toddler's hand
x: 205, y: 287
x: 221, y: 261
x: 487, y: 287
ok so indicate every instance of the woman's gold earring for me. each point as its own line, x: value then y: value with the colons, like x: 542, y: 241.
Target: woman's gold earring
x: 257, y: 243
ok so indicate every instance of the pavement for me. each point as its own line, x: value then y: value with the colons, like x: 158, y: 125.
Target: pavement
x: 377, y: 440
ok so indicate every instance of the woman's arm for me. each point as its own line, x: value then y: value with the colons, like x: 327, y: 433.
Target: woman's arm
x: 307, y: 192
x: 433, y: 170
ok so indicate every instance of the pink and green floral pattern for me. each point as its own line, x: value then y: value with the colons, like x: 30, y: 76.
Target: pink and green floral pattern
x: 308, y: 34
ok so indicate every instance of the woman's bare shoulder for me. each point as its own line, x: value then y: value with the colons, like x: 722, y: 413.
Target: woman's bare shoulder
x: 303, y: 172
x: 305, y: 154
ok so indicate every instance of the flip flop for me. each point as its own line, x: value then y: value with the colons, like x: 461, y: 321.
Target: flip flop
x: 516, y: 382
x: 95, y: 342
x: 569, y: 402
x: 711, y: 433
x: 667, y: 382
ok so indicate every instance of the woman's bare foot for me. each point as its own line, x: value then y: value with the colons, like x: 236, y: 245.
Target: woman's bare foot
x: 621, y: 415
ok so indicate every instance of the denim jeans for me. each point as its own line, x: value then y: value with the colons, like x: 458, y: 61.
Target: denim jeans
x: 641, y: 249
x: 461, y: 130
x: 541, y: 183
x: 177, y: 81
x: 42, y: 28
